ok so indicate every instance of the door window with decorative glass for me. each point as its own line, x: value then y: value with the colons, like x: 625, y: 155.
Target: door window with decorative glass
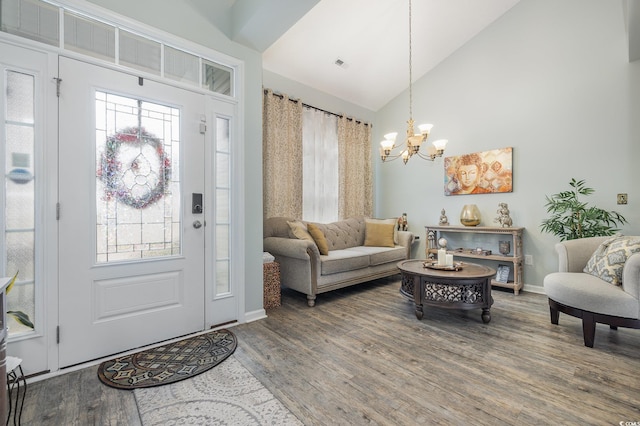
x: 137, y: 179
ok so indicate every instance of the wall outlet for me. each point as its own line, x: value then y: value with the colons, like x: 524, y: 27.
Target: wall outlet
x: 528, y: 259
x: 622, y: 198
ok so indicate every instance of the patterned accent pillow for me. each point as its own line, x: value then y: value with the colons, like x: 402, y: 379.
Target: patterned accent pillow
x: 607, y: 262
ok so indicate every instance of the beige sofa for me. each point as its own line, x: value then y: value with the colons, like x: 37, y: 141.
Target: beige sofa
x: 351, y: 259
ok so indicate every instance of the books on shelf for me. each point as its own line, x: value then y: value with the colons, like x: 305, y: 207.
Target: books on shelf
x: 502, y: 274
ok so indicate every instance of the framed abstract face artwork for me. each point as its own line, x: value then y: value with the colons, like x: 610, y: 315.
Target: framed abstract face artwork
x: 479, y: 173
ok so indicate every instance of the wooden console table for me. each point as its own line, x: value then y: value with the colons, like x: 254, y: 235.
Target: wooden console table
x: 516, y: 257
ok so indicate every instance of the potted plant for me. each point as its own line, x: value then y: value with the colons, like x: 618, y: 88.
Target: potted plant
x: 572, y: 218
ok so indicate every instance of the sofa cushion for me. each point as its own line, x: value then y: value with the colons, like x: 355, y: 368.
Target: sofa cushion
x: 343, y: 233
x: 607, y: 262
x: 381, y: 255
x: 318, y: 237
x: 343, y: 260
x: 590, y: 293
x: 393, y: 221
x: 298, y: 230
x: 378, y: 234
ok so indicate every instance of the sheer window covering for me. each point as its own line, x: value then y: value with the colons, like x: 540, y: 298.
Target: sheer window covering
x: 319, y: 166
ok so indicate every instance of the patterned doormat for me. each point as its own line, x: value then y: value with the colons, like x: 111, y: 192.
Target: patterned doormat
x: 169, y: 363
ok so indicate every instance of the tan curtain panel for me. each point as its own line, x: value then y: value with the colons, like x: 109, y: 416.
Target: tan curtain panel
x: 355, y: 171
x: 281, y: 156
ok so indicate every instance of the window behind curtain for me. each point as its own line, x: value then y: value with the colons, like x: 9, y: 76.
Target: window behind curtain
x: 319, y: 166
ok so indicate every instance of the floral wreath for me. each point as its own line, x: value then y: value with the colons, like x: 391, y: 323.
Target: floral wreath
x: 112, y: 172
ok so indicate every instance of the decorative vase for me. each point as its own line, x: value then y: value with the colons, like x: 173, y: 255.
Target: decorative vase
x: 470, y: 215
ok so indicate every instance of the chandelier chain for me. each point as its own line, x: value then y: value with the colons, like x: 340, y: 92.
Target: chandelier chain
x: 413, y: 140
x: 410, y: 69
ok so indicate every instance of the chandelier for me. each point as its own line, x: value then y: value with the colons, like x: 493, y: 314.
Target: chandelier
x: 413, y: 142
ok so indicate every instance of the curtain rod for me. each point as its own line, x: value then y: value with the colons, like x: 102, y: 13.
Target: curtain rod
x: 281, y: 96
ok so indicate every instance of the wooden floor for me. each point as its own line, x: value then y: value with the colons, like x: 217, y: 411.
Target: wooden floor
x: 361, y: 357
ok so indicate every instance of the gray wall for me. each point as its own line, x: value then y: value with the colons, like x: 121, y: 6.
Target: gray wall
x: 313, y: 97
x: 550, y: 79
x: 179, y: 19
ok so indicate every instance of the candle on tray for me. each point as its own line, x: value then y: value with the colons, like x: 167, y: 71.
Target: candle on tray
x: 449, y: 260
x: 442, y: 253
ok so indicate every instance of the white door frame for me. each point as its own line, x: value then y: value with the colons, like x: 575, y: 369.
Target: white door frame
x: 222, y: 309
x: 35, y: 348
x: 49, y: 256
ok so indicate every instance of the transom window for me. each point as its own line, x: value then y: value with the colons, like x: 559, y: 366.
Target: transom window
x: 45, y: 22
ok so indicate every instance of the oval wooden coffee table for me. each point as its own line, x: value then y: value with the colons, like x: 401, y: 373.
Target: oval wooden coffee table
x: 466, y: 288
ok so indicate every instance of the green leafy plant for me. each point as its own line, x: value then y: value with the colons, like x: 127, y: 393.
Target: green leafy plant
x: 572, y: 218
x: 19, y: 316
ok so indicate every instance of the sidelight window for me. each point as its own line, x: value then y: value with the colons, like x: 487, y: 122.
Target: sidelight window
x: 223, y: 206
x: 18, y: 194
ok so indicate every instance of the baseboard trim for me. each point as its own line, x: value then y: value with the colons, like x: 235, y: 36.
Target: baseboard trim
x: 255, y: 315
x: 533, y: 289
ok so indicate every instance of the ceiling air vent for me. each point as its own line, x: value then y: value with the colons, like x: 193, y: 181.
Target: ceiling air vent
x: 342, y: 64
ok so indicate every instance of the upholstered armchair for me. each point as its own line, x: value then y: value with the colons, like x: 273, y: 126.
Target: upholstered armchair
x: 608, y: 293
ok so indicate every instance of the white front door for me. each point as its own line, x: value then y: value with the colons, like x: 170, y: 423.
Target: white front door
x: 131, y: 222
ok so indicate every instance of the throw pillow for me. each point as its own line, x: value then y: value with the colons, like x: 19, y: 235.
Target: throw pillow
x: 379, y: 234
x: 393, y: 221
x: 607, y: 262
x: 298, y: 230
x: 319, y: 238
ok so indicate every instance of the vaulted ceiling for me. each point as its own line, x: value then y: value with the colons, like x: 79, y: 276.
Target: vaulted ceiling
x: 303, y: 39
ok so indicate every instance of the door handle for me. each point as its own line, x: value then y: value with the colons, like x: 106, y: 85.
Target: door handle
x: 197, y: 224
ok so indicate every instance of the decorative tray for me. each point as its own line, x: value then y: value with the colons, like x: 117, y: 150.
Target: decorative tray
x: 432, y: 264
x: 477, y: 251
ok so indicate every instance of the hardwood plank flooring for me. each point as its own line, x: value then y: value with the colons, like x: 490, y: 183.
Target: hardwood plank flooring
x: 360, y: 356
x: 78, y: 398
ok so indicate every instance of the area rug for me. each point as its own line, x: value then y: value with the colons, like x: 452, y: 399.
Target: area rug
x: 169, y: 363
x: 226, y: 395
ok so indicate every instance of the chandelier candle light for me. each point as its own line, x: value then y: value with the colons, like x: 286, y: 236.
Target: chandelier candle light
x: 414, y: 140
